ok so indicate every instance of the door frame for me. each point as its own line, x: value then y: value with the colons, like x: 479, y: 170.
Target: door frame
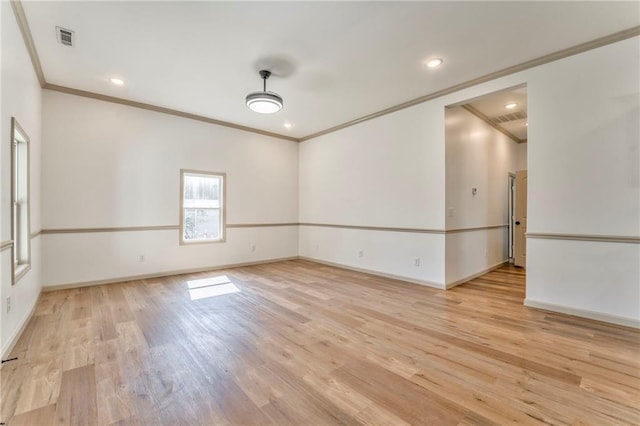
x: 512, y: 214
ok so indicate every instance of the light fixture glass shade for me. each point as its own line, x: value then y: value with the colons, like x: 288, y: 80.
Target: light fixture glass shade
x: 264, y: 102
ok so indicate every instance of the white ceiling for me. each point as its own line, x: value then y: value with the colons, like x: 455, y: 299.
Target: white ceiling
x: 332, y: 61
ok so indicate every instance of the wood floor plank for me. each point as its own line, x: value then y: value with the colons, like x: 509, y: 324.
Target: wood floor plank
x: 407, y: 400
x: 308, y: 344
x: 39, y: 416
x: 76, y: 403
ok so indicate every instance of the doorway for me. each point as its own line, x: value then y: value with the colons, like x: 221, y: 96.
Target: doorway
x: 486, y: 149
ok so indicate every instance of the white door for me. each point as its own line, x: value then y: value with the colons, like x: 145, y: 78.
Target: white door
x: 520, y: 243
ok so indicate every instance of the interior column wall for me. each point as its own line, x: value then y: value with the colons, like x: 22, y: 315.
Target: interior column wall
x: 584, y: 179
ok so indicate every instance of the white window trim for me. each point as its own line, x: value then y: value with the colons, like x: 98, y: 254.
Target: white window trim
x: 223, y: 209
x: 23, y: 266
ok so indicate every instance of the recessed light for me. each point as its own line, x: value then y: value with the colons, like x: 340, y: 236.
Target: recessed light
x: 511, y: 105
x: 434, y: 63
x: 117, y: 81
x: 287, y: 125
x: 526, y: 124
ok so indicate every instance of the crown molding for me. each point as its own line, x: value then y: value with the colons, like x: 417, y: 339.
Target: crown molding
x: 561, y: 54
x: 23, y: 24
x: 21, y: 19
x: 163, y: 110
x: 564, y: 53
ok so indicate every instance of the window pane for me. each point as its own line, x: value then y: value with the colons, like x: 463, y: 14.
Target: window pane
x: 201, y: 224
x: 207, y: 223
x: 16, y: 241
x: 201, y: 191
x: 189, y: 224
x: 16, y: 168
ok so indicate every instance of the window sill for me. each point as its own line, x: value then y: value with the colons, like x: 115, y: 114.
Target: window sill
x: 193, y: 242
x: 20, y: 271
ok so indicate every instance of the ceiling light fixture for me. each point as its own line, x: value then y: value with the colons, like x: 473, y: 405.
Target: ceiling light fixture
x: 117, y: 81
x: 264, y: 102
x: 511, y: 105
x: 287, y: 125
x: 434, y: 63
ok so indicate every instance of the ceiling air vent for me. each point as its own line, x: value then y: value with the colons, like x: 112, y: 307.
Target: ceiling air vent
x: 65, y: 36
x: 518, y: 115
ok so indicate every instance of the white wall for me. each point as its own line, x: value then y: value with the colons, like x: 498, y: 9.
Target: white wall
x: 584, y: 143
x: 387, y: 172
x: 584, y: 178
x: 21, y: 98
x: 471, y: 253
x: 578, y: 277
x: 477, y: 156
x: 582, y: 158
x: 384, y: 252
x: 522, y: 156
x: 108, y: 165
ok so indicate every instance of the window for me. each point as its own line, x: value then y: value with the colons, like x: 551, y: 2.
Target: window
x: 202, y: 207
x: 20, y: 227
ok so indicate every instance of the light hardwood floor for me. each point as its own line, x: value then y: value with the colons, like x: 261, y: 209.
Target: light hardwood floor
x: 308, y: 344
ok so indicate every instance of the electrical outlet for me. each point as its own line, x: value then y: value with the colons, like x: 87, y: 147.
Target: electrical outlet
x: 361, y: 253
x: 317, y: 247
x: 8, y: 304
x: 416, y: 261
x: 141, y: 258
x: 253, y: 248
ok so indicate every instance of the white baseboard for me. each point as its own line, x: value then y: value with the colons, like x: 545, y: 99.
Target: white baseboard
x: 161, y: 274
x: 598, y: 316
x: 476, y: 275
x: 18, y: 332
x: 374, y: 272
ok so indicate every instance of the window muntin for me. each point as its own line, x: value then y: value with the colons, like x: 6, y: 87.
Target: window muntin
x: 202, y: 207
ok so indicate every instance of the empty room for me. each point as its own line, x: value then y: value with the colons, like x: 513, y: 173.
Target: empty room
x: 319, y: 212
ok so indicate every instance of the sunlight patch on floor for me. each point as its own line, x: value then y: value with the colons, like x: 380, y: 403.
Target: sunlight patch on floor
x: 211, y: 287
